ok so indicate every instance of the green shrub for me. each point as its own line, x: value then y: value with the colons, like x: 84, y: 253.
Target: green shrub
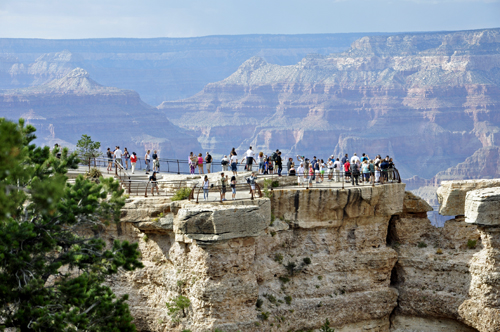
x: 177, y: 306
x: 181, y: 283
x: 307, y: 260
x: 271, y: 298
x: 278, y: 258
x: 320, y: 277
x: 186, y: 330
x: 273, y: 233
x: 471, y: 244
x: 284, y: 279
x: 264, y: 315
x: 326, y: 327
x: 181, y: 194
x: 259, y: 303
x: 93, y: 174
x: 288, y: 299
x: 275, y: 184
x: 422, y: 245
x: 291, y: 268
x: 145, y: 238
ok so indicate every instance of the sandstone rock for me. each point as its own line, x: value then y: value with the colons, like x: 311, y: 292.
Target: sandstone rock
x: 209, y: 223
x: 415, y: 204
x: 451, y: 194
x: 482, y: 207
x: 482, y: 310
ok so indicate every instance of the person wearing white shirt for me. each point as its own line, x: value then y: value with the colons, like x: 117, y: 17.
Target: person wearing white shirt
x: 118, y: 155
x: 337, y: 167
x: 300, y: 173
x: 250, y: 157
x: 355, y: 159
x: 234, y: 164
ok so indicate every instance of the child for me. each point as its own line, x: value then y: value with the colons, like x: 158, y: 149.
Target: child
x: 206, y: 185
x: 233, y: 186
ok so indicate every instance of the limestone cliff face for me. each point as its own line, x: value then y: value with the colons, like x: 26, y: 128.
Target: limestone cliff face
x: 399, y: 94
x: 65, y: 108
x: 366, y: 259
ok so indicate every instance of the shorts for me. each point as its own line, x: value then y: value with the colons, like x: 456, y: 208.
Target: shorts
x: 154, y: 185
x: 252, y: 186
x: 233, y: 167
x: 249, y: 160
x: 207, y: 165
x: 110, y: 160
x: 223, y: 189
x: 262, y: 165
x: 322, y: 172
x: 311, y: 178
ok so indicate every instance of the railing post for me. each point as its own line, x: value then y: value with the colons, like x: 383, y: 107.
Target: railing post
x: 343, y: 180
x: 178, y: 170
x: 129, y: 184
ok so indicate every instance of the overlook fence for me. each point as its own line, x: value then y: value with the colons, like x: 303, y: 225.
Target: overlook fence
x: 168, y: 188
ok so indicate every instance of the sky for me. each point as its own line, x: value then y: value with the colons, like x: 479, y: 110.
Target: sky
x: 70, y: 19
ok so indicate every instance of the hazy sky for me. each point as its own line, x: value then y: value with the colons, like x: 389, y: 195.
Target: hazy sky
x: 188, y: 18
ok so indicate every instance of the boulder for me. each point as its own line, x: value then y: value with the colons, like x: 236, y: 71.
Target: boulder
x: 451, y: 194
x: 211, y: 223
x: 482, y: 207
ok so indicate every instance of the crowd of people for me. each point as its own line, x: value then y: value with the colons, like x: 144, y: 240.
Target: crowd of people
x: 355, y: 169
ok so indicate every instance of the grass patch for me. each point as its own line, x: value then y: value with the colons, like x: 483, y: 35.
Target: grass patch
x: 422, y: 245
x: 471, y: 244
x: 182, y: 193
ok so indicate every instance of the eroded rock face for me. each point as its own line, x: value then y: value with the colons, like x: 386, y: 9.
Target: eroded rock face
x: 451, y: 194
x: 432, y: 272
x: 482, y: 207
x: 368, y: 259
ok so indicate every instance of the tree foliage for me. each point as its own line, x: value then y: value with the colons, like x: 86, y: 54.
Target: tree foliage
x: 87, y: 149
x: 53, y: 261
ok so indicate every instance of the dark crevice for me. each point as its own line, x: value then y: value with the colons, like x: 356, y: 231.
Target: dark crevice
x: 392, y: 236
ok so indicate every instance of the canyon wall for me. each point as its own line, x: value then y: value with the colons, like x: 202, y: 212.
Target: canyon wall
x: 64, y: 109
x: 365, y: 259
x: 428, y: 100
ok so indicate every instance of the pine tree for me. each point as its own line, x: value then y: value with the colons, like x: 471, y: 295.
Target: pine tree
x: 53, y: 261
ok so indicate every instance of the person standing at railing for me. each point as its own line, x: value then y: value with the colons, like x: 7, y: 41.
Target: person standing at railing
x: 126, y: 156
x: 391, y: 170
x: 133, y: 161
x: 250, y: 157
x: 206, y: 186
x: 225, y: 164
x: 261, y: 160
x: 118, y: 155
x: 300, y: 173
x: 208, y: 162
x: 291, y: 171
x: 365, y: 168
x: 156, y: 162
x: 147, y: 160
x: 110, y: 159
x: 289, y: 164
x: 200, y: 164
x: 234, y: 162
x: 311, y: 175
x: 192, y: 163
x: 279, y: 163
x: 371, y: 167
x: 347, y: 170
x: 337, y: 167
x: 154, y: 183
x: 354, y: 168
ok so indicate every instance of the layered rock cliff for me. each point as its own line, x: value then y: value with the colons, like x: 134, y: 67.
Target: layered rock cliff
x: 65, y: 108
x: 429, y: 100
x: 366, y: 259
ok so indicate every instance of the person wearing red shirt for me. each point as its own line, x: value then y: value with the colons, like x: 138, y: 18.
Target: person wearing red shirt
x: 133, y: 160
x: 347, y: 166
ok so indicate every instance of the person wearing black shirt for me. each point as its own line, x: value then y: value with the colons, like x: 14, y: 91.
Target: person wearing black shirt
x: 154, y: 183
x: 156, y: 162
x: 279, y: 163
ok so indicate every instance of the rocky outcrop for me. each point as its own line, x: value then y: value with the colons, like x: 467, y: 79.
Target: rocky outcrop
x: 397, y: 95
x: 64, y: 109
x: 289, y: 262
x: 452, y: 194
x: 432, y: 272
x: 482, y: 310
x: 366, y: 259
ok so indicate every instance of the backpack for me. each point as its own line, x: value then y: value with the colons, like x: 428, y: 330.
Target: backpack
x: 274, y: 156
x: 224, y: 162
x: 354, y: 168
